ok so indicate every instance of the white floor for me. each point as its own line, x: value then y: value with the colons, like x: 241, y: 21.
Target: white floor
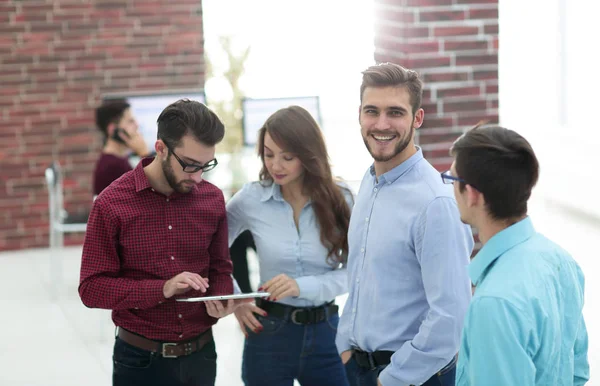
x: 52, y: 339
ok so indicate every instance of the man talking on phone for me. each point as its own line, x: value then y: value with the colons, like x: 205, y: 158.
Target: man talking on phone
x: 122, y: 138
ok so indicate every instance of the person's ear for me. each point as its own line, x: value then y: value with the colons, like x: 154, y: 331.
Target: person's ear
x: 110, y: 129
x: 474, y: 196
x: 161, y: 149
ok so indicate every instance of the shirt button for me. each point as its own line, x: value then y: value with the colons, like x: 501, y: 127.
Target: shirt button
x: 358, y: 280
x: 375, y: 189
x: 353, y: 309
x: 367, y: 219
x: 180, y: 316
x: 160, y: 302
x: 362, y: 250
x: 152, y: 189
x: 181, y: 336
x: 170, y: 227
x: 167, y: 200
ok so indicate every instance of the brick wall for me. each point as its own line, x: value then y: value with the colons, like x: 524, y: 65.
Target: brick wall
x: 453, y: 44
x: 57, y: 57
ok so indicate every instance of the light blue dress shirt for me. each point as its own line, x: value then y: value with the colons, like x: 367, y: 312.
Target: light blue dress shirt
x: 284, y: 248
x: 407, y: 264
x: 524, y: 326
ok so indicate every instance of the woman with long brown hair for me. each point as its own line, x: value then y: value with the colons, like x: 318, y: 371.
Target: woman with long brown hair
x: 298, y: 215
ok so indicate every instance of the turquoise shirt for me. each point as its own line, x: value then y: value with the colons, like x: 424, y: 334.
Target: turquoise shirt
x: 524, y: 325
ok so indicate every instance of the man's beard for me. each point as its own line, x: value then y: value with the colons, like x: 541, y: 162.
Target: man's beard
x: 179, y: 187
x: 400, y: 146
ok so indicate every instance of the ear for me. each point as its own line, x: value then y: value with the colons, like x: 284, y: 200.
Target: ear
x: 474, y: 196
x: 359, y: 111
x: 110, y: 129
x: 418, y: 121
x: 161, y: 149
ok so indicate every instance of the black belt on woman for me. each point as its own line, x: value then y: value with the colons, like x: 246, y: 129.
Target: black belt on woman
x: 299, y: 315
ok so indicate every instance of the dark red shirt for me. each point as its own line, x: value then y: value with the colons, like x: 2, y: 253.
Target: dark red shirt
x: 137, y: 238
x: 108, y: 168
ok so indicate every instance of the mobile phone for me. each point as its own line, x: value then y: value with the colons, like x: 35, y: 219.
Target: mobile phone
x: 118, y: 137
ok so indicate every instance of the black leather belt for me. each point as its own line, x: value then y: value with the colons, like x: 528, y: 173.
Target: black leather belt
x: 166, y: 350
x: 370, y: 360
x: 299, y: 315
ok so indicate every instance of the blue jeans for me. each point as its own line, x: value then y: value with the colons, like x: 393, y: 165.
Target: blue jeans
x: 285, y: 351
x: 133, y: 366
x: 360, y: 376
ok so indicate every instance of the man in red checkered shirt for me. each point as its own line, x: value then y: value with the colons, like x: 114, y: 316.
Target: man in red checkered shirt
x: 156, y: 234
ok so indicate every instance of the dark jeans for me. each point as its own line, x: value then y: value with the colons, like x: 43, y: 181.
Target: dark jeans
x: 133, y: 366
x: 359, y: 376
x: 285, y: 351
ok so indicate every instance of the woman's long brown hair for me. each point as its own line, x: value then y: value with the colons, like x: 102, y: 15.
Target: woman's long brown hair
x: 295, y: 130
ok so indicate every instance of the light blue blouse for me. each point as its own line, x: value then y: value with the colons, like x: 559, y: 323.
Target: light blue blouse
x: 284, y: 248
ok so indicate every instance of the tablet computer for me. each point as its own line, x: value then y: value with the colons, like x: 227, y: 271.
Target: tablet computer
x: 226, y: 297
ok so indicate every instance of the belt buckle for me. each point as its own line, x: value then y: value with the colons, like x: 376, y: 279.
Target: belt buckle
x: 293, y: 316
x: 164, y: 348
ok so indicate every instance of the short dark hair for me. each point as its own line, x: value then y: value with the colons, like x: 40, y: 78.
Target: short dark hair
x: 394, y: 75
x: 186, y: 116
x: 501, y: 164
x: 110, y: 111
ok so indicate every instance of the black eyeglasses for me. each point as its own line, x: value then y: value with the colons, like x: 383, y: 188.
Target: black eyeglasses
x: 448, y: 178
x: 193, y: 168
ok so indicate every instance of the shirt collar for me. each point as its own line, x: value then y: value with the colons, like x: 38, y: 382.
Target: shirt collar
x: 271, y: 191
x: 141, y: 181
x: 499, y: 244
x: 392, y: 175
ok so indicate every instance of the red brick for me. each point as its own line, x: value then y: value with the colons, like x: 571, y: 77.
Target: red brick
x: 453, y: 107
x: 434, y: 62
x: 472, y: 60
x: 485, y: 75
x: 44, y: 26
x: 475, y: 117
x: 491, y: 89
x: 431, y: 122
x: 492, y: 104
x: 455, y: 31
x: 429, y: 107
x: 459, y: 91
x: 494, y: 43
x: 439, y: 135
x: 490, y: 29
x: 441, y: 15
x: 483, y: 13
x: 477, y: 1
x: 466, y: 45
x: 457, y: 76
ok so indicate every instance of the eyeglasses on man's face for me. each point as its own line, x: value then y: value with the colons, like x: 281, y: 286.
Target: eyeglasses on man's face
x: 448, y: 178
x: 194, y: 168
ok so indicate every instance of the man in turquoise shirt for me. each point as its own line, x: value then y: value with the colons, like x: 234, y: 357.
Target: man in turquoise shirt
x: 525, y: 324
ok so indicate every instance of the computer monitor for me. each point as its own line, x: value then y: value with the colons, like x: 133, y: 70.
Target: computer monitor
x: 256, y: 112
x: 146, y: 106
